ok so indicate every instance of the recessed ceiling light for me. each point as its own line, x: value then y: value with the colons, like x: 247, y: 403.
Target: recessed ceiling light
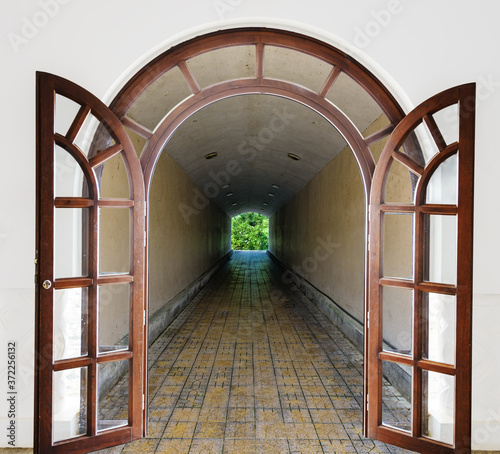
x: 293, y: 156
x: 234, y: 204
x: 276, y: 186
x: 265, y: 203
x: 211, y: 155
x: 229, y: 194
x: 271, y: 194
x: 225, y: 186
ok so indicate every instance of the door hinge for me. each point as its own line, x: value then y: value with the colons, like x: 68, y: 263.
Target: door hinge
x: 143, y: 401
x: 367, y: 402
x: 368, y: 319
x: 145, y: 238
x: 368, y: 242
x: 145, y: 211
x: 144, y: 317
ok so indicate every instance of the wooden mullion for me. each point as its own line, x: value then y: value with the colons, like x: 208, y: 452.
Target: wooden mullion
x: 188, y: 77
x: 434, y: 366
x: 136, y: 127
x: 435, y: 132
x: 72, y: 363
x: 397, y: 208
x: 404, y: 159
x: 433, y: 287
x: 397, y: 282
x: 121, y: 355
x: 106, y: 154
x: 115, y: 279
x: 72, y: 202
x: 115, y: 203
x: 75, y: 127
x: 259, y: 63
x: 72, y: 282
x: 380, y: 134
x: 331, y: 79
x: 395, y: 357
x: 438, y: 209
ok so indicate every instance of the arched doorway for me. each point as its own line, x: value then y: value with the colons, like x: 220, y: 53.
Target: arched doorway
x: 332, y: 68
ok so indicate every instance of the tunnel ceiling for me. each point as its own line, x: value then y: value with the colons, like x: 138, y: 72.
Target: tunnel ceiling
x: 253, y: 135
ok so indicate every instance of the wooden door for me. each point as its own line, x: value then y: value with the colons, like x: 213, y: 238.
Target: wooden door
x: 89, y: 384
x: 420, y: 279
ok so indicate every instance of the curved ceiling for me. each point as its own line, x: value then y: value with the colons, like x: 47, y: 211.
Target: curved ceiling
x: 252, y: 136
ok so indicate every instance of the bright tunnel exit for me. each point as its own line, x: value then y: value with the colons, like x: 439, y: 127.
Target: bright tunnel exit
x: 250, y: 232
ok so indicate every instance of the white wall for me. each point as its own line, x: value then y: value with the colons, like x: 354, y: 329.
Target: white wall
x: 425, y: 46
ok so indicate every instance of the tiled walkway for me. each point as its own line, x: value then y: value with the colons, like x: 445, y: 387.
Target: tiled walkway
x: 251, y: 366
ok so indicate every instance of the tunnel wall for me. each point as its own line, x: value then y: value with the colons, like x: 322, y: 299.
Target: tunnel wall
x: 320, y: 235
x: 185, y: 242
x: 186, y: 245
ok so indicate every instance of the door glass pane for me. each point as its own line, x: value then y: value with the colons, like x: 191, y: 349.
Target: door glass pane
x: 113, y: 178
x: 397, y: 308
x: 65, y: 113
x: 71, y: 227
x: 398, y: 188
x: 114, y: 310
x: 114, y: 240
x: 398, y: 245
x: 440, y: 325
x: 438, y: 406
x: 440, y: 233
x: 69, y: 180
x: 443, y: 185
x: 113, y: 389
x: 70, y: 403
x: 70, y: 323
x: 396, y: 406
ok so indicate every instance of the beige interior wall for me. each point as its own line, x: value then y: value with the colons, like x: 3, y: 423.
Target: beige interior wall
x: 179, y: 251
x: 182, y: 246
x: 320, y: 233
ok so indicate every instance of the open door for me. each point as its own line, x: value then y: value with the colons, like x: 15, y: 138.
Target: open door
x: 90, y: 338
x: 420, y: 279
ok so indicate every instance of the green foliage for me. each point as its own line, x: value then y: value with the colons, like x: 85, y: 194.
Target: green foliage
x: 250, y: 232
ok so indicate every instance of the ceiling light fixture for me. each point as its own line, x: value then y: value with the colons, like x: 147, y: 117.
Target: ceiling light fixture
x: 265, y: 203
x: 293, y: 156
x: 271, y: 194
x: 234, y: 204
x: 229, y: 194
x: 276, y: 186
x: 211, y: 155
x: 225, y: 186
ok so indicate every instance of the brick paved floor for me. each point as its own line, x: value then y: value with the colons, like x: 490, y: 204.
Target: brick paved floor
x: 251, y: 366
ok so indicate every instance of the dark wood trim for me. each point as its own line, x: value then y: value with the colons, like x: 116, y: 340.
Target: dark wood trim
x: 136, y: 127
x: 331, y: 79
x: 104, y: 155
x: 188, y: 77
x: 75, y: 127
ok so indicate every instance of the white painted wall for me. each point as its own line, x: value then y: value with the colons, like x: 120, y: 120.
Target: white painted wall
x: 425, y: 46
